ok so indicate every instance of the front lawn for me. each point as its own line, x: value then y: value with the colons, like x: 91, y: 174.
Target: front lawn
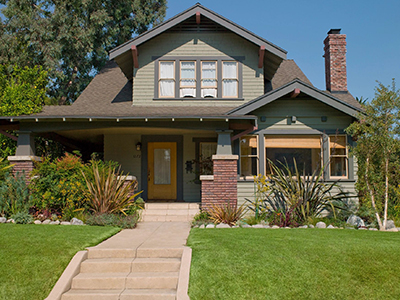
x: 249, y: 263
x: 32, y: 257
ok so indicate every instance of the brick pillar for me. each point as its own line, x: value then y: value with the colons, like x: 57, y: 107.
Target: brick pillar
x: 335, y: 61
x: 221, y: 187
x: 23, y: 165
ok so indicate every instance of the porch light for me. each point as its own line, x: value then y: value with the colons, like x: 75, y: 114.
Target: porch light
x: 138, y: 146
x: 324, y: 118
x: 294, y: 119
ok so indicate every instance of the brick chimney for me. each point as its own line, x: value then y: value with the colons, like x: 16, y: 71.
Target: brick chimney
x: 335, y: 61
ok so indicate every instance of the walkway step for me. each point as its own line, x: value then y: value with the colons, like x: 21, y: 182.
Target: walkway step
x: 92, y: 295
x: 165, y: 218
x: 106, y: 265
x: 96, y: 281
x: 159, y: 252
x: 152, y: 280
x: 148, y: 294
x: 95, y: 252
x: 156, y: 265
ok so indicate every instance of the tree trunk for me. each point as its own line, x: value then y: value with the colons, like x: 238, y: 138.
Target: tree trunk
x: 371, y: 192
x: 386, y: 192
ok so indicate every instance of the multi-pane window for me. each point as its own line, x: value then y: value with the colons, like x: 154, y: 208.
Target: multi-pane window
x: 166, y: 79
x: 230, y: 80
x: 305, y: 150
x: 338, y: 156
x: 207, y: 150
x: 209, y: 79
x: 188, y: 79
x: 248, y: 155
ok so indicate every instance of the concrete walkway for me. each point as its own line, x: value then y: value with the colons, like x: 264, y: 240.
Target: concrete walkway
x: 149, y: 262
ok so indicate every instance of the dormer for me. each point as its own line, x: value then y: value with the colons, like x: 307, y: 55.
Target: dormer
x: 198, y: 56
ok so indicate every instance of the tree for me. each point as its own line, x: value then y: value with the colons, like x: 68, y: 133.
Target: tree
x: 377, y: 133
x: 22, y: 92
x: 71, y: 39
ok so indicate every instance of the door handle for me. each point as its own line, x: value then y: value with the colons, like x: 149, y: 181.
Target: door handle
x: 148, y: 175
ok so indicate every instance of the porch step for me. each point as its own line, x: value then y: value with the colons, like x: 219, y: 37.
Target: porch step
x: 169, y: 212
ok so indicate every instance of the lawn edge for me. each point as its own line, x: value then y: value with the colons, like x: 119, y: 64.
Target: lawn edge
x: 63, y: 284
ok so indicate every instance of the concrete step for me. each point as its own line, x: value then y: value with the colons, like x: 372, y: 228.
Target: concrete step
x: 159, y: 252
x: 148, y: 294
x: 166, y: 218
x: 152, y: 280
x: 98, y: 281
x: 134, y: 294
x: 92, y: 295
x: 172, y: 205
x: 94, y: 252
x: 156, y: 265
x: 107, y: 265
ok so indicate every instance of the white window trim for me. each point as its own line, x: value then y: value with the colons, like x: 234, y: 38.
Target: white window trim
x: 257, y: 156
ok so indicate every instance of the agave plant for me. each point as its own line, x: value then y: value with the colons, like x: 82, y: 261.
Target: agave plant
x: 107, y: 191
x: 309, y: 195
x: 226, y: 213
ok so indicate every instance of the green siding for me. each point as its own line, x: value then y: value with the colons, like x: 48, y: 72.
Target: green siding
x: 122, y: 148
x: 197, y: 44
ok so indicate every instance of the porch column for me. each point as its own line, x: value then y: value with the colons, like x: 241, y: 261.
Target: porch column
x: 24, y: 158
x: 221, y: 187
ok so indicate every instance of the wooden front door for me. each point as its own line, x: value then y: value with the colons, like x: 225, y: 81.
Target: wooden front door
x: 161, y: 171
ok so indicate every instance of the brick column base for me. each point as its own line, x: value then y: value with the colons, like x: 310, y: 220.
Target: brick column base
x: 220, y: 188
x: 23, y: 166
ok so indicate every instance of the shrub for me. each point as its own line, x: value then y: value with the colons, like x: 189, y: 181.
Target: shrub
x: 106, y: 190
x: 57, y: 185
x: 4, y: 168
x: 22, y: 217
x: 14, y: 195
x: 200, y: 218
x: 122, y: 221
x: 226, y: 213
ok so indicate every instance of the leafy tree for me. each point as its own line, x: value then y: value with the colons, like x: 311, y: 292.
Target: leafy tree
x: 22, y: 92
x: 71, y: 39
x: 377, y: 134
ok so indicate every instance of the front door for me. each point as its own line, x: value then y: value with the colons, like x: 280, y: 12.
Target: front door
x: 161, y: 171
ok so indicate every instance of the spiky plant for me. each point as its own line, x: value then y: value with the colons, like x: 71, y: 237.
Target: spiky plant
x: 107, y: 191
x: 226, y: 213
x: 309, y: 195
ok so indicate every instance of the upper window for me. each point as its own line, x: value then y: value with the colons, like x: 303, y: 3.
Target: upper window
x: 338, y: 156
x: 166, y: 79
x: 198, y: 79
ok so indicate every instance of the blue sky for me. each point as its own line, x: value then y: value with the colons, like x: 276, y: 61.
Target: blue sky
x: 299, y: 27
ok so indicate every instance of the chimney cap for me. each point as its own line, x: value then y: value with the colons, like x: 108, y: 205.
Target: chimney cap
x: 334, y: 31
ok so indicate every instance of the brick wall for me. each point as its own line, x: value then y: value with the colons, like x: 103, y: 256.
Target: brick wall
x: 335, y: 62
x: 23, y: 168
x: 222, y: 188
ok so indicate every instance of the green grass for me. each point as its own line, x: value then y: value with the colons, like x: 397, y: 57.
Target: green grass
x: 248, y: 263
x: 32, y: 257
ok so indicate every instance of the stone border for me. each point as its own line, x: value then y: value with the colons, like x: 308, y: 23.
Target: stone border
x: 184, y: 273
x: 64, y: 282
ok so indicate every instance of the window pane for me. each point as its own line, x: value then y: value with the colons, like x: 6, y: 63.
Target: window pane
x: 188, y: 82
x: 207, y: 150
x: 307, y: 160
x: 167, y: 88
x: 188, y: 92
x: 340, y: 151
x: 229, y: 70
x: 248, y: 147
x: 248, y: 166
x: 338, y: 166
x: 209, y: 82
x: 162, y: 166
x: 229, y: 88
x: 338, y: 142
x: 209, y: 74
x: 167, y: 69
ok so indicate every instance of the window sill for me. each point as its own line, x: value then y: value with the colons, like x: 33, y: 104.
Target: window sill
x: 198, y: 99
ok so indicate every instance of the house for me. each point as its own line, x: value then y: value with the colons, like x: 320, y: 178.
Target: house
x: 199, y: 86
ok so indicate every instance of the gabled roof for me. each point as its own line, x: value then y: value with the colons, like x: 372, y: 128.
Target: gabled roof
x: 325, y: 97
x: 124, y: 49
x: 287, y: 72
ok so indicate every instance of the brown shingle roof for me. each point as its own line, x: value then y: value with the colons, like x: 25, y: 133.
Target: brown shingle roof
x: 287, y: 72
x: 110, y: 95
